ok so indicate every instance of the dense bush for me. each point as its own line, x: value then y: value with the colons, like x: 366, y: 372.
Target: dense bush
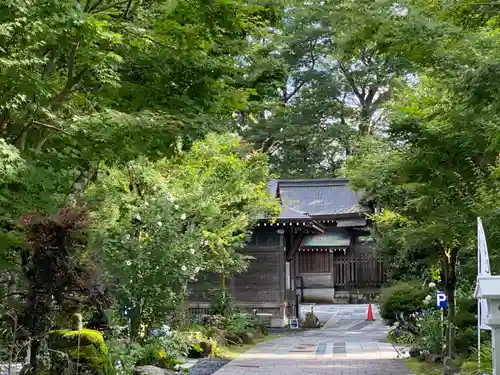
x: 235, y: 328
x: 400, y: 336
x: 466, y: 323
x: 165, y: 351
x: 430, y: 336
x: 470, y: 367
x: 404, y: 298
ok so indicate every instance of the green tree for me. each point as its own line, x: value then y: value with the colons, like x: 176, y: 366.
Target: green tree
x: 88, y: 86
x: 334, y: 65
x: 432, y: 172
x: 181, y: 216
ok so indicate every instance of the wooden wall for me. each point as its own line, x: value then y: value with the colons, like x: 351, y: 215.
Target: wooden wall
x: 262, y: 284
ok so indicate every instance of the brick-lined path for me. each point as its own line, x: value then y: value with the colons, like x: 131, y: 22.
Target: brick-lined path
x: 346, y: 345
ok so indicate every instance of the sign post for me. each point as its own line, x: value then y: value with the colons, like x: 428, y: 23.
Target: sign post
x: 442, y: 303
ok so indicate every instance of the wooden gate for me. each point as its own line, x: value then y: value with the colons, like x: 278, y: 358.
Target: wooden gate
x: 358, y: 271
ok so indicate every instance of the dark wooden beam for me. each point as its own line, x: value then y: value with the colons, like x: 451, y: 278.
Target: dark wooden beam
x: 295, y: 245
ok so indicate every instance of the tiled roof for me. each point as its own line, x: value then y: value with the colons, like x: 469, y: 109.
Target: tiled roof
x: 290, y: 214
x: 320, y: 197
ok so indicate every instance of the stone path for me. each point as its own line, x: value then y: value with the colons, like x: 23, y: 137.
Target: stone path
x: 346, y: 345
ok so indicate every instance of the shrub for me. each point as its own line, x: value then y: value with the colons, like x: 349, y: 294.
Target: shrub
x: 465, y: 340
x: 235, y: 328
x: 240, y: 322
x: 470, y: 367
x: 400, y: 336
x: 404, y: 298
x: 164, y: 351
x: 431, y: 332
x: 465, y: 323
x: 124, y: 354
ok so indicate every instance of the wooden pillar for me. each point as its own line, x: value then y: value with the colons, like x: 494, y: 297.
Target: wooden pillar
x: 282, y: 265
x: 332, y: 269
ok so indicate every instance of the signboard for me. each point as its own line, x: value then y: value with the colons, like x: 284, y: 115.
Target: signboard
x: 294, y: 323
x: 441, y: 300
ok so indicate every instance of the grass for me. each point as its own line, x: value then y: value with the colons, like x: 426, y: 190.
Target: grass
x: 234, y: 351
x: 424, y: 368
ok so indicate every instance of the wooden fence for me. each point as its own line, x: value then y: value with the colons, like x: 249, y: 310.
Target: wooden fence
x: 359, y: 271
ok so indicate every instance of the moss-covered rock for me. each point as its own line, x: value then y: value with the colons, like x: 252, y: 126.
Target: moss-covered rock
x: 84, y: 347
x: 311, y: 321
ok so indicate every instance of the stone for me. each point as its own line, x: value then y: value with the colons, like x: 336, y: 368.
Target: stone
x: 85, y: 348
x: 433, y: 358
x: 414, y: 352
x: 201, y: 350
x: 151, y: 370
x: 248, y: 338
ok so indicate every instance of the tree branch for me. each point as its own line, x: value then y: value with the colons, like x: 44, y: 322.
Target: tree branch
x: 351, y: 82
x: 72, y: 57
x: 51, y: 127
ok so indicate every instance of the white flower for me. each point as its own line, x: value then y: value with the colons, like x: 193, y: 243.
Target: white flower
x: 206, y: 242
x: 177, y: 367
x: 192, y: 251
x: 128, y: 262
x: 176, y: 206
x: 127, y: 236
x: 183, y: 268
x: 183, y: 217
x: 197, y: 269
x: 428, y: 298
x: 137, y: 217
x: 426, y: 302
x: 159, y: 224
x: 432, y: 284
x: 146, y: 204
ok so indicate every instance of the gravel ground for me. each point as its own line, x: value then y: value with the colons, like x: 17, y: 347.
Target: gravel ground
x: 207, y: 366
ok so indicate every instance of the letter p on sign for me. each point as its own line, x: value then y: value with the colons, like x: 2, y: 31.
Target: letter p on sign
x: 441, y: 300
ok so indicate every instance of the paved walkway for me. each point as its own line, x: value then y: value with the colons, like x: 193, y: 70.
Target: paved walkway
x: 346, y: 345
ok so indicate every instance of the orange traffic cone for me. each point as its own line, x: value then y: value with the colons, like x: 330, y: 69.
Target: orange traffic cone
x: 369, y: 316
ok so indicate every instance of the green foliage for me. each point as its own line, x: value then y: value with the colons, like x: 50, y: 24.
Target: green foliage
x: 124, y: 354
x: 471, y: 366
x: 237, y: 328
x: 164, y: 351
x: 404, y: 298
x: 433, y: 173
x: 431, y: 333
x: 466, y: 322
x: 395, y: 336
x: 222, y: 303
x: 192, y: 213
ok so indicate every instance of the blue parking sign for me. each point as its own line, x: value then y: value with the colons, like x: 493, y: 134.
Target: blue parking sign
x: 441, y: 300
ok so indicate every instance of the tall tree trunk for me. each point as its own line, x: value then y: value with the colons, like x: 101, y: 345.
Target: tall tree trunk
x: 135, y: 321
